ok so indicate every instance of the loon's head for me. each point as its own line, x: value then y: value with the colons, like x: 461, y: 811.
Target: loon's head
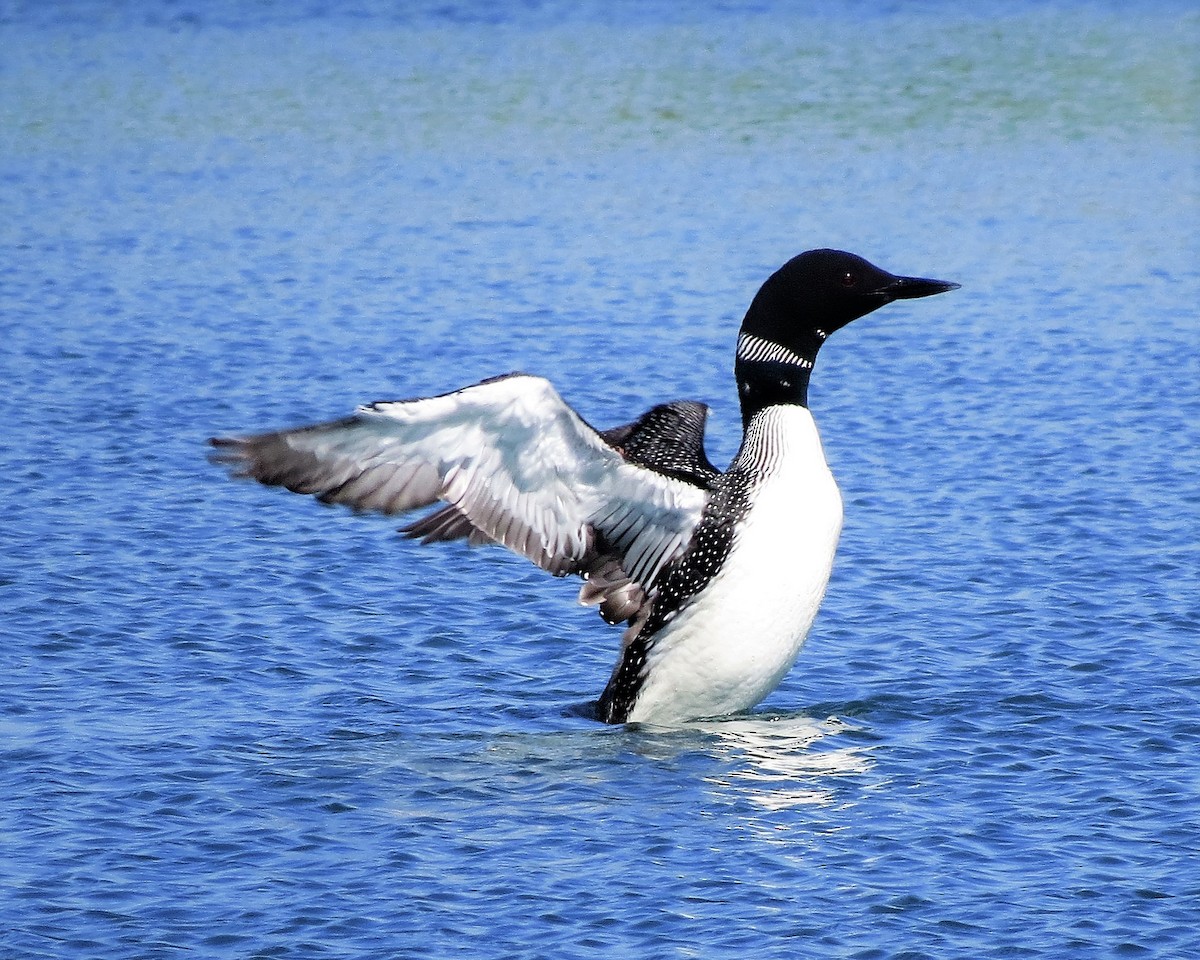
x: 821, y: 291
x: 801, y: 304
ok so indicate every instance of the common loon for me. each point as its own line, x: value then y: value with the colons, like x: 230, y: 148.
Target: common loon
x: 718, y: 576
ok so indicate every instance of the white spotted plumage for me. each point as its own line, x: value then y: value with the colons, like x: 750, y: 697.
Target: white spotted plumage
x: 736, y: 638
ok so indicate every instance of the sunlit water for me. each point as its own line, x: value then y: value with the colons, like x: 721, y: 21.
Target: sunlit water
x: 235, y: 724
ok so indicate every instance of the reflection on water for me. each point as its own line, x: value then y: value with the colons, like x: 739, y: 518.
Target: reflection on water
x: 777, y: 762
x: 770, y: 761
x: 774, y: 761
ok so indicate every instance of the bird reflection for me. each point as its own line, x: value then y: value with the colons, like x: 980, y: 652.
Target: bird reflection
x: 775, y: 761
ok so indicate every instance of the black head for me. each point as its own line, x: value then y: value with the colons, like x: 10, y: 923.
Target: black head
x: 801, y: 304
x: 823, y: 290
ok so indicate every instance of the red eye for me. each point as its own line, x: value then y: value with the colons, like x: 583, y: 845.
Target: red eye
x: 849, y: 280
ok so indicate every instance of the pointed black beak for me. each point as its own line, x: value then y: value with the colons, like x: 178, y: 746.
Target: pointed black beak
x: 909, y: 288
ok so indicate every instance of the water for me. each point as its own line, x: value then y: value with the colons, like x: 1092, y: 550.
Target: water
x: 235, y: 724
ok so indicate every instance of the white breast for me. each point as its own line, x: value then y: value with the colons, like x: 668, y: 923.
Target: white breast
x: 737, y: 638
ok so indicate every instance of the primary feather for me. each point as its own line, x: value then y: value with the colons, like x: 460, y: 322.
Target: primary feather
x: 515, y: 464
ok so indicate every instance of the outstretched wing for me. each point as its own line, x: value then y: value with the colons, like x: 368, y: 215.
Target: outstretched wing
x: 668, y: 439
x: 509, y: 455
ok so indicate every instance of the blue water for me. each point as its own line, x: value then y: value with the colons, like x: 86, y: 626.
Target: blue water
x: 235, y: 724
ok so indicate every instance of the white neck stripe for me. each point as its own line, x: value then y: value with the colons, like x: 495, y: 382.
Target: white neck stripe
x: 755, y: 348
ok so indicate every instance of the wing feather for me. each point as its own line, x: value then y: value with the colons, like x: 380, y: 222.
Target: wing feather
x: 514, y: 463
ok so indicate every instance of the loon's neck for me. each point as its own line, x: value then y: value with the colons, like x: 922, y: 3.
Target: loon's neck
x: 769, y: 373
x: 777, y: 348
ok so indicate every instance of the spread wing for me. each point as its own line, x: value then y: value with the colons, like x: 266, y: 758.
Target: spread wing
x: 668, y: 439
x: 511, y: 458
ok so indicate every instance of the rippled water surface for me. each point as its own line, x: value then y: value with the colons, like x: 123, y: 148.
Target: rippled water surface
x: 235, y: 724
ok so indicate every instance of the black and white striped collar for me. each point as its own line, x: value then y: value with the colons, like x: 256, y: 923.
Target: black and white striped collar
x: 759, y: 350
